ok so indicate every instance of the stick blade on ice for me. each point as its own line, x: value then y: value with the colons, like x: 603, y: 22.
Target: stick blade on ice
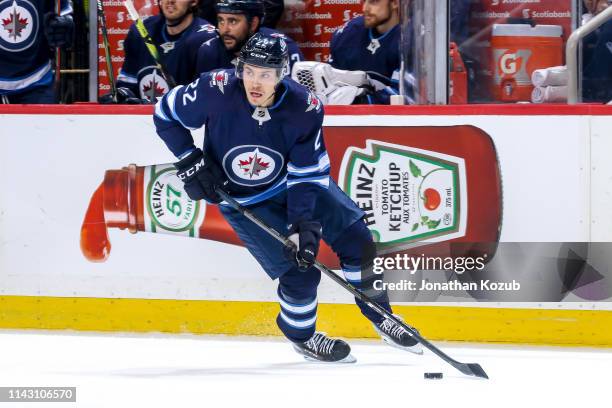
x: 472, y: 369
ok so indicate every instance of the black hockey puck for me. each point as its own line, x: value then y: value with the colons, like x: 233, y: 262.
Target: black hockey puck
x: 433, y: 376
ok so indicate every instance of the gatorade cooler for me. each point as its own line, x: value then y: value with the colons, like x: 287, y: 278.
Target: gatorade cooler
x: 518, y: 50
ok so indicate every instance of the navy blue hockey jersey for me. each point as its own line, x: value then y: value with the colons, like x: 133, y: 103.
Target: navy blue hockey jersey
x: 178, y: 52
x: 597, y: 72
x: 355, y: 47
x: 213, y: 54
x: 25, y: 54
x: 262, y: 151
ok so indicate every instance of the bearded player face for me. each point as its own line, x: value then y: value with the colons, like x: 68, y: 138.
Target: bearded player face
x: 235, y: 29
x: 377, y: 12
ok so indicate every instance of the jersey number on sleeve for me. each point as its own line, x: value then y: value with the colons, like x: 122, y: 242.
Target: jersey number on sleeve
x: 317, y: 143
x: 188, y: 95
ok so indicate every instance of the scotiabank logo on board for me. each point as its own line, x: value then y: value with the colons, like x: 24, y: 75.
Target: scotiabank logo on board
x: 318, y: 3
x: 321, y: 29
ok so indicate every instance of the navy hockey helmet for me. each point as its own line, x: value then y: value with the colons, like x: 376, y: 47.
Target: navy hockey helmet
x: 251, y: 8
x: 266, y: 51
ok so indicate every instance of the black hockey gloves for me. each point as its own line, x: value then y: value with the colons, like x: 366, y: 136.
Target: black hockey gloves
x: 125, y: 96
x: 201, y: 174
x: 59, y: 30
x: 306, y: 236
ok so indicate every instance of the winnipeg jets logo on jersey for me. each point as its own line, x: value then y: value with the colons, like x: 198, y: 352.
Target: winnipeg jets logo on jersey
x: 19, y: 24
x: 252, y: 165
x: 313, y: 102
x: 373, y: 46
x: 219, y: 79
x: 152, y: 85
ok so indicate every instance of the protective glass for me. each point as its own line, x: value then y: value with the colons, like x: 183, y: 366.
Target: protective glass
x: 467, y: 51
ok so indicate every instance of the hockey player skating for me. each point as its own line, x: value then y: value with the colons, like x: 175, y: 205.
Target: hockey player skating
x: 237, y: 21
x: 178, y: 34
x: 264, y: 145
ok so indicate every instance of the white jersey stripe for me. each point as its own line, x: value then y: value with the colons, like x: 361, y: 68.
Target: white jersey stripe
x: 24, y: 82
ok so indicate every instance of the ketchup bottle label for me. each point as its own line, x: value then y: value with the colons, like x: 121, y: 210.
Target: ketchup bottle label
x: 168, y: 208
x: 414, y: 197
x: 408, y: 194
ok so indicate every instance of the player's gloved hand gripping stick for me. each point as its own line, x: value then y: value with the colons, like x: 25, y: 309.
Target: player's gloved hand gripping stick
x: 473, y: 369
x: 305, y: 236
x: 200, y: 174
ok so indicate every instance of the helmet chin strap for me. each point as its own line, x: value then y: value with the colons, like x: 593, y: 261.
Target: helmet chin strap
x: 267, y: 99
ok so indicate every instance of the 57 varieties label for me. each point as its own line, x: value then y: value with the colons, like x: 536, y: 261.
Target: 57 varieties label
x: 168, y: 208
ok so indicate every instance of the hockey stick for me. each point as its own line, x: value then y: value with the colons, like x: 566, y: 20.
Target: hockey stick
x: 58, y: 58
x: 151, y: 47
x: 473, y: 369
x: 107, y: 53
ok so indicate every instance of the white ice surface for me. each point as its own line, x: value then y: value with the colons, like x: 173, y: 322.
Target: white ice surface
x: 216, y: 371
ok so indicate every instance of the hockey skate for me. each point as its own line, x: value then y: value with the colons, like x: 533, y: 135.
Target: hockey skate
x: 396, y: 336
x: 321, y: 348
